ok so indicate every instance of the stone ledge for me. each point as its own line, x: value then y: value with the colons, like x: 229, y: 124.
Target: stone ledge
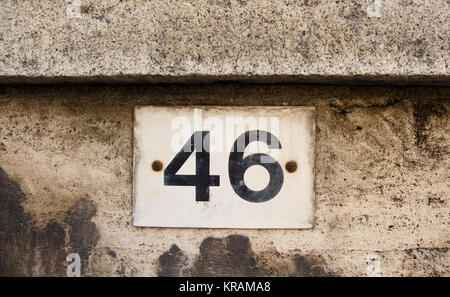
x: 395, y: 80
x: 313, y: 41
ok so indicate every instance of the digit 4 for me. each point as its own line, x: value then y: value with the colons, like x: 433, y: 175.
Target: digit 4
x: 202, y: 180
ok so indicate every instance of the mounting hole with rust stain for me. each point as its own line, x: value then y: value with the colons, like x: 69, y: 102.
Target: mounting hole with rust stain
x: 157, y: 165
x: 291, y: 166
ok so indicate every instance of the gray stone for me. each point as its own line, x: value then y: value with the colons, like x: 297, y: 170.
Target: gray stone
x: 378, y: 41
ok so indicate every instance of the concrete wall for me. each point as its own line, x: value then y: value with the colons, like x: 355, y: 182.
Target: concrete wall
x: 381, y: 184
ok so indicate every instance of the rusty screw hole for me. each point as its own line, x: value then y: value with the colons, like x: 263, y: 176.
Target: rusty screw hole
x: 291, y: 166
x: 157, y: 165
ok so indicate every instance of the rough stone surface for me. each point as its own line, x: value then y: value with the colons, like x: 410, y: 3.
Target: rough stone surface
x: 26, y: 249
x: 379, y: 41
x: 381, y: 183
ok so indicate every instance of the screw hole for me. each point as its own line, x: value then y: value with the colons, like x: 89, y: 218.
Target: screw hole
x: 157, y: 165
x: 291, y: 166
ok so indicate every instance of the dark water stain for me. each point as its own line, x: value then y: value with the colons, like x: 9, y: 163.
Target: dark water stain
x: 229, y: 256
x: 83, y: 232
x: 171, y: 263
x: 27, y: 250
x: 423, y: 111
x: 51, y: 242
x: 233, y: 256
x: 17, y: 230
x: 310, y: 266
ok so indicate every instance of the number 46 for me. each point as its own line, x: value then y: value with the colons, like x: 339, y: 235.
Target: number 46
x: 237, y: 165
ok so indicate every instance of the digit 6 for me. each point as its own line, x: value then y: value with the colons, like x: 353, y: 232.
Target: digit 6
x: 237, y: 165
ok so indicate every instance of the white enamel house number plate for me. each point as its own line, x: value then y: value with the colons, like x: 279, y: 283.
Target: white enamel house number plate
x: 224, y: 167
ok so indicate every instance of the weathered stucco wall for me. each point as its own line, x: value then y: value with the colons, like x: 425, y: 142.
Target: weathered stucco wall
x: 379, y: 41
x: 382, y: 171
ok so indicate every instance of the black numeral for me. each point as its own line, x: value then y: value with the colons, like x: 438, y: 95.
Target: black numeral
x: 237, y: 166
x: 199, y: 142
